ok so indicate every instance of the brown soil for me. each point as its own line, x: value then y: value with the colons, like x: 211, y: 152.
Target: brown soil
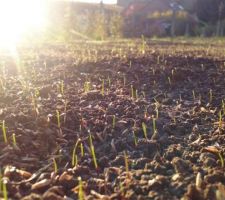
x: 179, y: 86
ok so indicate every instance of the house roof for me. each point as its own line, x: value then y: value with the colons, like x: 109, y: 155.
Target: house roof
x: 143, y: 7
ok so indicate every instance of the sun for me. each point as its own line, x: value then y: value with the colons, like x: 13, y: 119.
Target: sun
x: 19, y: 17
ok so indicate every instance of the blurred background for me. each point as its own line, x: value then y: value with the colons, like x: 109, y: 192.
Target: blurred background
x: 104, y: 19
x: 134, y: 18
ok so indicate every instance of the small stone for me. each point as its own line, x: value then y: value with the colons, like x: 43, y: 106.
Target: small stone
x: 67, y: 180
x: 180, y: 165
x: 41, y: 184
x: 176, y: 177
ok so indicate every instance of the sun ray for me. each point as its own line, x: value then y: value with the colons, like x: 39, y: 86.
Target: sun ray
x: 18, y: 18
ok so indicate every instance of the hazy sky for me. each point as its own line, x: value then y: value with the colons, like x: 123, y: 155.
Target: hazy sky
x: 97, y: 1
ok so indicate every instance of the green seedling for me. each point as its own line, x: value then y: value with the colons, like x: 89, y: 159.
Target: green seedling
x: 157, y: 112
x: 144, y: 128
x: 136, y: 94
x: 132, y: 91
x: 220, y: 119
x: 55, y: 165
x: 210, y: 96
x: 14, y: 139
x: 36, y: 93
x: 74, y: 154
x: 58, y: 119
x: 154, y: 126
x: 135, y: 138
x: 114, y: 122
x: 80, y: 191
x: 169, y: 80
x: 82, y: 149
x: 4, y: 132
x: 93, y: 152
x: 86, y: 87
x: 103, y: 87
x: 4, y: 189
x: 143, y: 44
x: 193, y: 94
x: 126, y: 162
x: 221, y: 159
x: 0, y: 180
x: 223, y: 107
x: 174, y: 120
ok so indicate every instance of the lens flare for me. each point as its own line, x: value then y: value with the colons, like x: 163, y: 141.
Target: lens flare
x: 19, y: 17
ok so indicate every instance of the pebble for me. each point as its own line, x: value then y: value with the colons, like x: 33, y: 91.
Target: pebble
x: 180, y: 165
x: 41, y: 184
x: 67, y: 180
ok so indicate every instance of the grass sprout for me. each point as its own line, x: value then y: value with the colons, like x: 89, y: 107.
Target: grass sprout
x: 103, y: 87
x: 87, y: 87
x: 132, y: 91
x: 80, y: 191
x: 220, y: 119
x: 221, y: 159
x: 55, y: 165
x: 82, y: 149
x: 4, y: 189
x: 4, y: 132
x: 126, y: 162
x: 135, y: 138
x: 144, y: 128
x: 74, y: 154
x: 58, y: 119
x: 0, y: 180
x: 157, y: 112
x: 154, y: 125
x: 136, y: 94
x: 143, y: 44
x: 93, y: 152
x: 169, y: 80
x: 14, y: 139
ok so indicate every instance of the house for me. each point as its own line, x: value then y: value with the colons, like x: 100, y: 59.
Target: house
x: 154, y: 17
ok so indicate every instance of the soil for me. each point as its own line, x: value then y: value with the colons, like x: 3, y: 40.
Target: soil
x: 55, y: 98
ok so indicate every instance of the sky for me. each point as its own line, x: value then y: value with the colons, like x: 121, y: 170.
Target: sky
x: 97, y: 1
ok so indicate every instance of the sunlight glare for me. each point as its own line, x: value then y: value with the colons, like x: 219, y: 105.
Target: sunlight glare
x: 18, y: 17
